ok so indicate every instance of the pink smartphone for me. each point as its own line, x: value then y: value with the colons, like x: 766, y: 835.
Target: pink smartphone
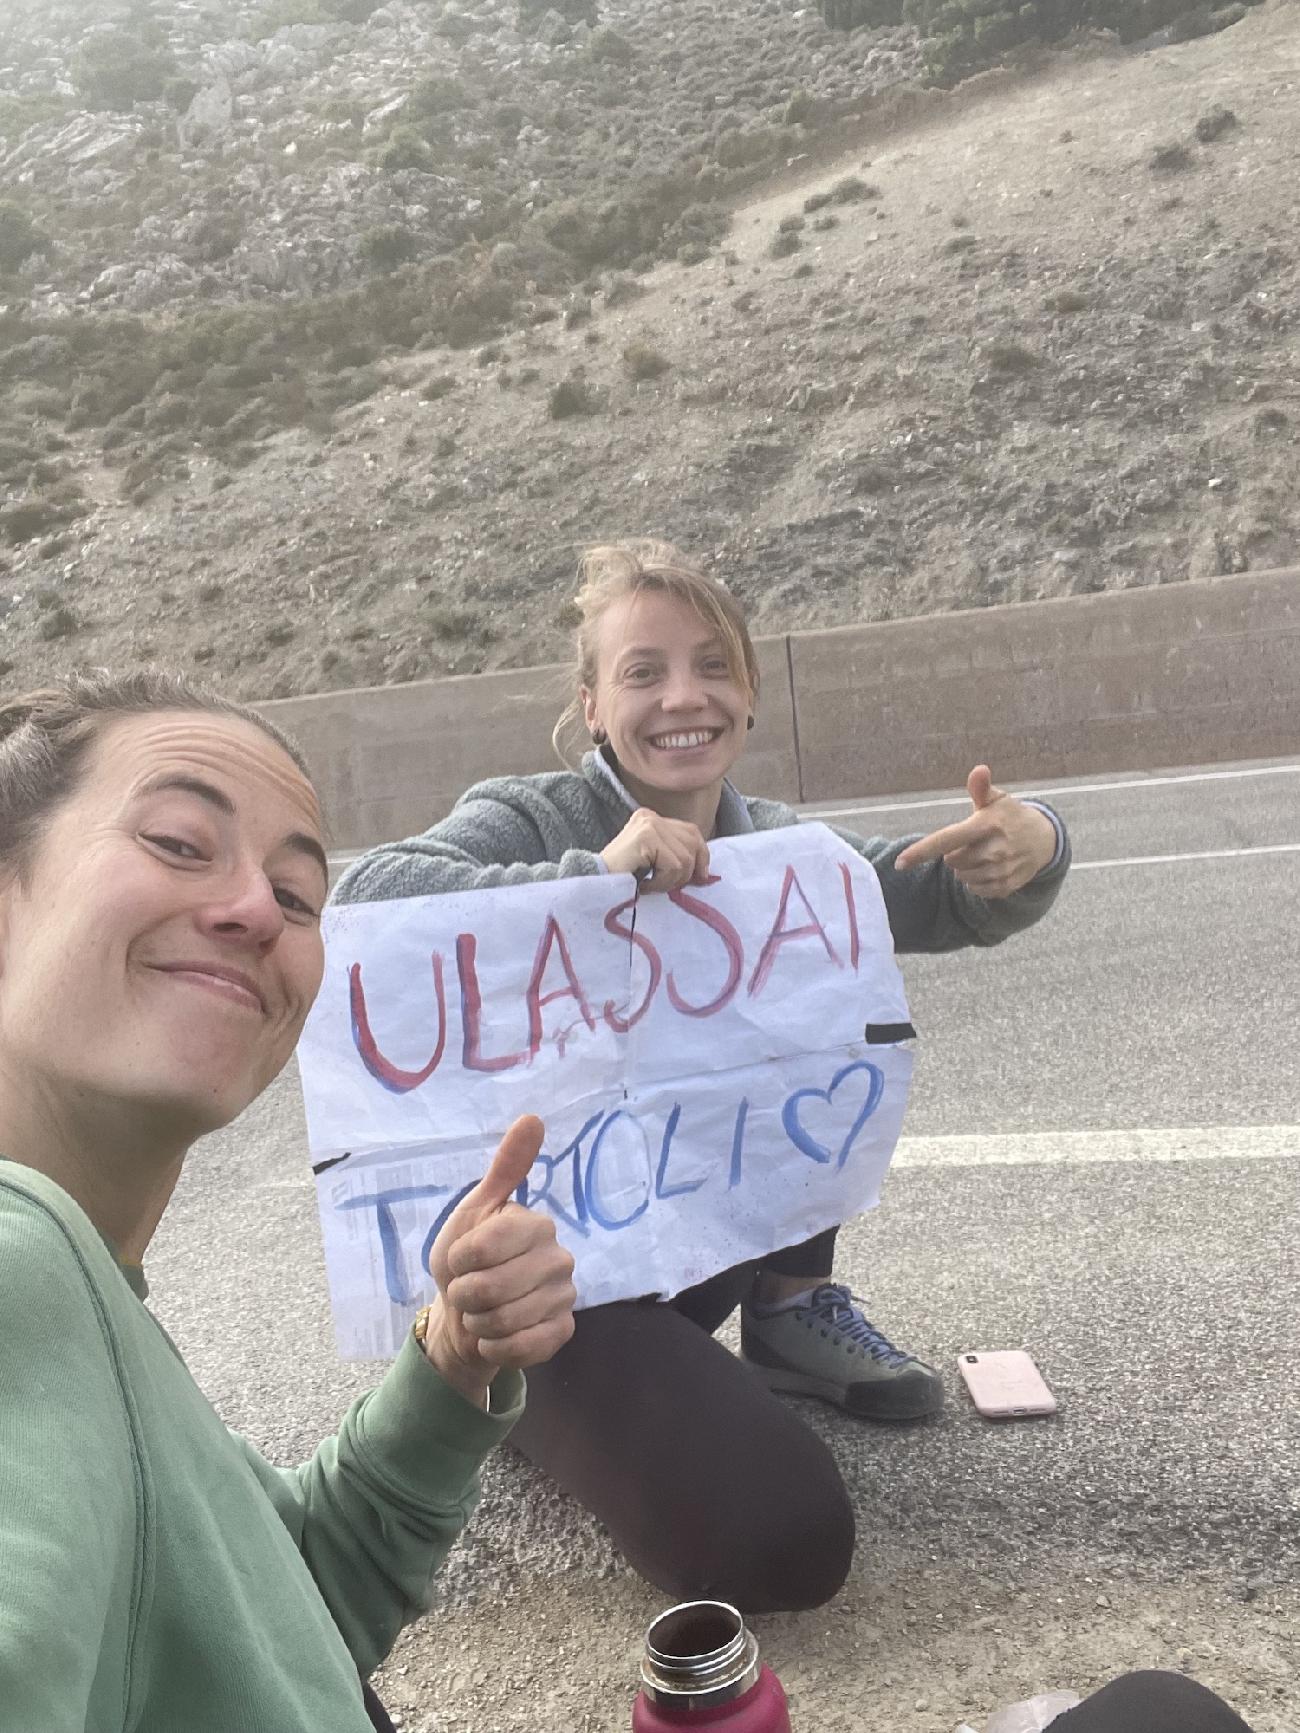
x: 1006, y: 1385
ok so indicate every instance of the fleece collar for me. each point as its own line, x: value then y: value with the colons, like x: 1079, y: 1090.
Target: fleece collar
x: 601, y: 770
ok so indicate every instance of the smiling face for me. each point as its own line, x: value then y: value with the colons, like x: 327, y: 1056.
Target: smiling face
x: 162, y: 948
x: 666, y: 696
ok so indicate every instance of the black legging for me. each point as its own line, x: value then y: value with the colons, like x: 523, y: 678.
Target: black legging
x: 708, y: 1483
x: 1151, y: 1703
x: 379, y: 1717
x: 815, y: 1257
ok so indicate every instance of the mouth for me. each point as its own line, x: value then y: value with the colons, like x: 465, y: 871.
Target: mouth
x: 233, y: 985
x: 685, y: 739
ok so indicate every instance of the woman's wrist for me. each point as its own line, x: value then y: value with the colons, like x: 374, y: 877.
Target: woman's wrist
x: 471, y: 1382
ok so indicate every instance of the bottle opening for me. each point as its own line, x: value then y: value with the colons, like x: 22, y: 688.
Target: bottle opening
x: 699, y: 1654
x: 694, y: 1632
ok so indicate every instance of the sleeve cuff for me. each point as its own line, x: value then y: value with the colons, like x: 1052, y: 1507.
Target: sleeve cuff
x: 425, y: 1434
x: 1059, y: 854
x: 575, y: 862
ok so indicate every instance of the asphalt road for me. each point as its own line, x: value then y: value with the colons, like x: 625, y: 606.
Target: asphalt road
x: 1101, y: 1166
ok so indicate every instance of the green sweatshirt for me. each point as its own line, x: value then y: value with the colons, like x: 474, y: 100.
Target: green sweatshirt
x: 158, y: 1576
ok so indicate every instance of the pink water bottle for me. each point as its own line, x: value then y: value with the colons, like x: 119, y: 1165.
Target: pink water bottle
x: 701, y: 1669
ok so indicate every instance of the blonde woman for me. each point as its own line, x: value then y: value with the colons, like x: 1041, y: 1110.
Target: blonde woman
x: 707, y: 1483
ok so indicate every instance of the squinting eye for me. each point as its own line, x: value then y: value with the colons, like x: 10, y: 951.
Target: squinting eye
x: 294, y: 904
x: 175, y: 845
x: 639, y: 674
x: 716, y: 665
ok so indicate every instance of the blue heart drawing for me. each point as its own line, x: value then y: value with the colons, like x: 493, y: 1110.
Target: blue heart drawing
x: 805, y: 1142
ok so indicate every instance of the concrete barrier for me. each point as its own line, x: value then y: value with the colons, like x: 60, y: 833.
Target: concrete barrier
x: 1181, y: 673
x: 1175, y: 674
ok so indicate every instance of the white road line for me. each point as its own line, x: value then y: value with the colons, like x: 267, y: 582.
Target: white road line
x: 1195, y: 1143
x: 1056, y: 1148
x: 1083, y: 866
x: 1137, y: 781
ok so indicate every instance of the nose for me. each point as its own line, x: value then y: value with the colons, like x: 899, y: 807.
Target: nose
x: 682, y: 690
x: 246, y: 912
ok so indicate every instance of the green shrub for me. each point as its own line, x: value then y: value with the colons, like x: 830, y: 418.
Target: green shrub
x: 115, y: 69
x: 19, y: 237
x: 434, y: 96
x: 801, y: 109
x: 961, y: 36
x: 742, y: 148
x: 389, y: 246
x: 276, y: 14
x: 644, y: 362
x: 406, y: 147
x: 620, y: 290
x: 1068, y: 301
x: 572, y: 396
x: 279, y: 14
x: 445, y: 620
x: 1215, y: 123
x: 59, y: 622
x: 508, y: 119
x: 1172, y: 158
x: 21, y: 110
x: 649, y: 220
x: 853, y: 190
x: 215, y: 237
x: 39, y: 514
x: 179, y: 93
x: 572, y: 11
x: 851, y: 14
x: 1008, y: 356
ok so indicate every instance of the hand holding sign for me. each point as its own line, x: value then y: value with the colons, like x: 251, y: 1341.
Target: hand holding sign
x: 664, y: 853
x: 998, y: 849
x: 505, y: 1288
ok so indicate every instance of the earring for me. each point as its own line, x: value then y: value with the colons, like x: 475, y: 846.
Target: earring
x: 598, y: 736
x: 749, y: 726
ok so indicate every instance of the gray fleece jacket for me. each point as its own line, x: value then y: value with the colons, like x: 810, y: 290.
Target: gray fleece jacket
x: 517, y: 830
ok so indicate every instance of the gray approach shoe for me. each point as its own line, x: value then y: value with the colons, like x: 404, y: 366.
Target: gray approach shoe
x: 826, y: 1347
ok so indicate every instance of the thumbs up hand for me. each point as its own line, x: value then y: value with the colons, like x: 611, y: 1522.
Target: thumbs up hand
x: 998, y: 849
x: 505, y: 1287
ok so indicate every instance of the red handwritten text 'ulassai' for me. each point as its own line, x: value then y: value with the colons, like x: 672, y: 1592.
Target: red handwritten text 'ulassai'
x: 795, y: 920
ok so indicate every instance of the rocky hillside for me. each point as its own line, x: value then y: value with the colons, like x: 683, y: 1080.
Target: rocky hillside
x: 328, y: 331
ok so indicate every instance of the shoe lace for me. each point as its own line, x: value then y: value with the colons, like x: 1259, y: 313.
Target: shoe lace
x: 840, y: 1310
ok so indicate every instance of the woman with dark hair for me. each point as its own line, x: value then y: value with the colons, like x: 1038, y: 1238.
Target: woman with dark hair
x: 162, y: 873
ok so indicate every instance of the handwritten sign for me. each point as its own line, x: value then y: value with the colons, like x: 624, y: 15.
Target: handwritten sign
x: 720, y: 1070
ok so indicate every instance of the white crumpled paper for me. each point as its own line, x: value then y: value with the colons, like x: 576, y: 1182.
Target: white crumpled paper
x: 701, y: 1063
